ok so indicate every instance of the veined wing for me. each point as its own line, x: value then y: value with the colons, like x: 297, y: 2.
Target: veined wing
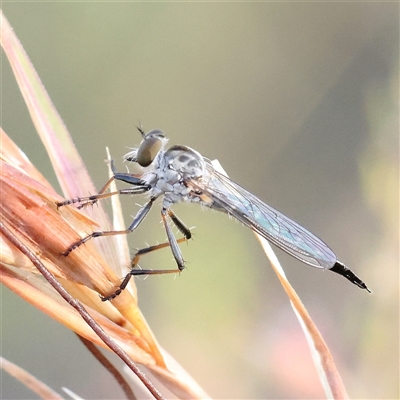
x: 222, y: 194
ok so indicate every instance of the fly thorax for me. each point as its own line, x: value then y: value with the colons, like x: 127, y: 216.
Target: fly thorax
x: 186, y: 161
x: 177, y: 166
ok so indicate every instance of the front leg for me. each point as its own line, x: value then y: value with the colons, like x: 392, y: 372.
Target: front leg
x: 140, y: 216
x: 93, y: 199
x: 139, y: 187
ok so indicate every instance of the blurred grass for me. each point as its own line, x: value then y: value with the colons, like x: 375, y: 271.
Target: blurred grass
x: 299, y: 102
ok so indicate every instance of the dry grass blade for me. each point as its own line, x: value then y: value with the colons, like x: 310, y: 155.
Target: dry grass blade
x: 46, y: 232
x: 81, y: 310
x: 323, y: 360
x: 29, y: 212
x: 328, y: 374
x: 67, y: 163
x: 40, y: 388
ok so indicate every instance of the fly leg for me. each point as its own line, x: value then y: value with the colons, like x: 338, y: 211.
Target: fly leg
x: 139, y: 187
x: 90, y: 200
x: 136, y: 272
x: 176, y: 251
x: 180, y: 225
x: 140, y: 216
x: 172, y: 242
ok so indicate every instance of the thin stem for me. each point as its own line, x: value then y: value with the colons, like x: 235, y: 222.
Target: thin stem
x: 105, y: 362
x: 81, y: 310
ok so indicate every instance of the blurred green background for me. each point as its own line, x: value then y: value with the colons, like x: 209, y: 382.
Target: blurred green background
x: 299, y: 102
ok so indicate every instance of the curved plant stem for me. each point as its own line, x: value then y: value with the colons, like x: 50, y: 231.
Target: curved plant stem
x: 81, y: 310
x: 105, y: 362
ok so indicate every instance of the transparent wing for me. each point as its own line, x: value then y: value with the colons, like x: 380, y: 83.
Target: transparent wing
x: 221, y: 193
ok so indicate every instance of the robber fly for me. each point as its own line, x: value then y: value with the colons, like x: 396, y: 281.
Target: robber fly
x: 181, y: 174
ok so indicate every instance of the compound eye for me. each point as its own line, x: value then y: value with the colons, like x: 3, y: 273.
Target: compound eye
x: 148, y: 149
